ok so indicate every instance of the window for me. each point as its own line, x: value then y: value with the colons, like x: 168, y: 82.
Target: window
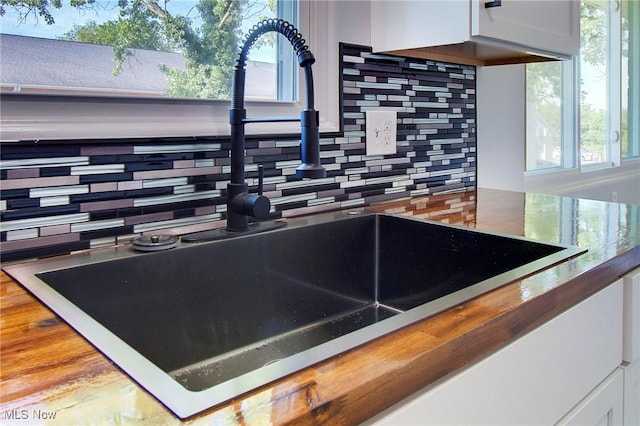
x: 548, y: 138
x: 183, y: 49
x: 597, y: 82
x: 63, y: 117
x: 577, y: 111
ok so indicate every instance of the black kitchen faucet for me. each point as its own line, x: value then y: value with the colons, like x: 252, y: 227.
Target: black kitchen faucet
x: 240, y: 203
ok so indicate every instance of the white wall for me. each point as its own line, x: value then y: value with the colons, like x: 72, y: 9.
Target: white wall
x: 500, y: 127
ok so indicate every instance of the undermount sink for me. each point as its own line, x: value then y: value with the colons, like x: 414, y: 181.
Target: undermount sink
x: 201, y: 324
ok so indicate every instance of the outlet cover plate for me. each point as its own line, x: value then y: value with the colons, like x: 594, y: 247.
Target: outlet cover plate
x: 381, y: 129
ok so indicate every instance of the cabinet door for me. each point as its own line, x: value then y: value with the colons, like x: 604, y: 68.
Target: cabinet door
x: 553, y: 26
x: 631, y: 343
x: 603, y: 406
x: 410, y: 24
x: 632, y: 393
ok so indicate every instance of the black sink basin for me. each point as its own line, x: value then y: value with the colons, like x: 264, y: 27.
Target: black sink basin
x: 221, y: 318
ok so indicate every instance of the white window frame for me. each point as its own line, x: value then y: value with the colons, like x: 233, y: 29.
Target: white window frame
x: 569, y: 127
x: 613, y: 84
x: 65, y: 117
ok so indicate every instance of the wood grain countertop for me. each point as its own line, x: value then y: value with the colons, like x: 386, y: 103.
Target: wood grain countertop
x: 50, y: 374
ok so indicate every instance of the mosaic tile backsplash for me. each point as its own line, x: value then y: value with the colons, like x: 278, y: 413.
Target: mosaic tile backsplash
x: 63, y: 197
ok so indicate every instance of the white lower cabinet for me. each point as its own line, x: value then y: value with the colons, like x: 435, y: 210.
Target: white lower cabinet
x: 631, y: 326
x: 632, y: 393
x: 603, y: 405
x: 631, y: 348
x: 538, y: 378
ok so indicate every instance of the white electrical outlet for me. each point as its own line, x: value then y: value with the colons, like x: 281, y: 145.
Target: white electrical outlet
x: 381, y: 132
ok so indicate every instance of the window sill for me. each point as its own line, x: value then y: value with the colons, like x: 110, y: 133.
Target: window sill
x: 588, y: 168
x: 52, y: 117
x: 568, y: 181
x: 546, y: 171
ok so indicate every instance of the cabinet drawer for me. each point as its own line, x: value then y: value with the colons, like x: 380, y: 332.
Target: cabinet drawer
x: 632, y: 393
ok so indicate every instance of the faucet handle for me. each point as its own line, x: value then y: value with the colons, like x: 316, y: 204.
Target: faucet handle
x: 260, y: 179
x: 242, y: 204
x: 253, y: 205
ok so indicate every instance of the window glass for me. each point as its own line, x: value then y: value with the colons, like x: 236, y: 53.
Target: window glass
x: 544, y: 115
x: 630, y: 79
x: 594, y: 129
x: 175, y: 48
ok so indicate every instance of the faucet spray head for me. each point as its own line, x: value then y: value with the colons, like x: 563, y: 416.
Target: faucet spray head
x: 310, y: 147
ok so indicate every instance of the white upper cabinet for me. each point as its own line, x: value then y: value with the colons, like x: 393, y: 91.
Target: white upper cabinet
x: 477, y: 32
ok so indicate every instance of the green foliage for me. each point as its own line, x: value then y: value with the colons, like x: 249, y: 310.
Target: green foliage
x: 136, y: 28
x: 198, y: 81
x: 593, y: 51
x: 39, y: 8
x: 544, y: 81
x: 593, y: 32
x: 593, y: 131
x: 215, y: 54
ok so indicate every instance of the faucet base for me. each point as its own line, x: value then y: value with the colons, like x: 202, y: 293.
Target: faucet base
x: 223, y: 234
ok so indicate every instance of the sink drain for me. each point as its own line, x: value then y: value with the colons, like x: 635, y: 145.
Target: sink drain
x: 155, y: 242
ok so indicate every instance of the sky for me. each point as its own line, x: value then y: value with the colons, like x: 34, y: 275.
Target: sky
x: 67, y: 16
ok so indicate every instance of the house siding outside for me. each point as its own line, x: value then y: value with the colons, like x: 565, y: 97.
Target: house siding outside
x: 40, y: 65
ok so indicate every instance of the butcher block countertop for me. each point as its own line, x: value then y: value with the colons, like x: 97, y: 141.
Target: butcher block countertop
x: 50, y: 374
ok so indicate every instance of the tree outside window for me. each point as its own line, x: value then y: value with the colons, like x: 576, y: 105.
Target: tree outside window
x: 544, y: 116
x: 594, y: 90
x: 206, y: 33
